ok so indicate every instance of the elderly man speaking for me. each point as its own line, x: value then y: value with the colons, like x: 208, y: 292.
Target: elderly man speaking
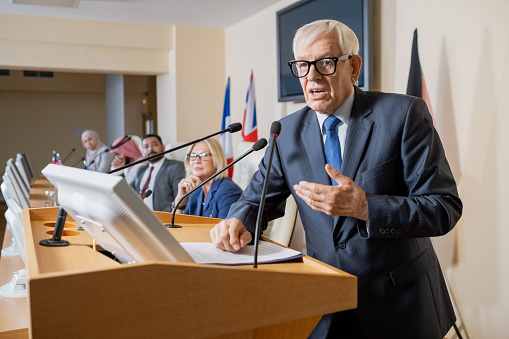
x: 372, y: 185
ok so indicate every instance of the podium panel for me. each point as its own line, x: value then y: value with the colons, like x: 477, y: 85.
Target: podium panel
x: 75, y: 291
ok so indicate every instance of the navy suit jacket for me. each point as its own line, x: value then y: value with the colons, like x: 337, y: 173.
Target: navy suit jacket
x: 165, y: 185
x: 222, y: 194
x: 394, y: 154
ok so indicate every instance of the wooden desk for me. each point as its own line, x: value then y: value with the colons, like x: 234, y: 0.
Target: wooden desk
x: 14, y: 311
x: 75, y: 291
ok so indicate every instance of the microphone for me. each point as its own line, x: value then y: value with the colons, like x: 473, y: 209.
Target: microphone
x: 235, y: 127
x: 147, y: 194
x: 256, y: 147
x: 68, y: 155
x: 97, y: 155
x: 77, y: 162
x: 275, y: 129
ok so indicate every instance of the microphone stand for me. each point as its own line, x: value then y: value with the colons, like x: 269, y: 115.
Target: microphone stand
x: 256, y: 147
x: 275, y: 128
x: 231, y: 128
x: 77, y: 162
x: 68, y: 155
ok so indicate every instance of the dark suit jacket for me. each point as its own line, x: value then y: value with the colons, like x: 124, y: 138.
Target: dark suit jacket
x: 166, y: 183
x: 394, y: 154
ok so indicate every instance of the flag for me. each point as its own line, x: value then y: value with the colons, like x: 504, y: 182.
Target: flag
x: 416, y: 84
x: 226, y: 138
x: 249, y: 130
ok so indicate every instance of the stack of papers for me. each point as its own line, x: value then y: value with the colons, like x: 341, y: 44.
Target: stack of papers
x: 207, y: 253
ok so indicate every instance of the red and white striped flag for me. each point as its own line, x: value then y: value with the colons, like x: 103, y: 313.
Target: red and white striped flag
x: 249, y: 129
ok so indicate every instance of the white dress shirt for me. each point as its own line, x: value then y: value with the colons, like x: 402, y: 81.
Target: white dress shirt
x: 157, y: 166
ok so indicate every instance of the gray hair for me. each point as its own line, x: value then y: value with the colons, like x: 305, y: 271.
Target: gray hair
x: 309, y: 33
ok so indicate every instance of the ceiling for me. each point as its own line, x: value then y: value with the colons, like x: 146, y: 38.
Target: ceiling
x: 195, y: 13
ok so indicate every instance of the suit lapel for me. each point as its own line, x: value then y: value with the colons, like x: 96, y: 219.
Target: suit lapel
x: 313, y: 144
x: 359, y: 129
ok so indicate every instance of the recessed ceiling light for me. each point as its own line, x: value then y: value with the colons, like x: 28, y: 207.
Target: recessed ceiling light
x: 56, y: 3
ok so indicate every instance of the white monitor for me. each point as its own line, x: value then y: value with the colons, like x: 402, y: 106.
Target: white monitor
x: 108, y: 208
x: 22, y: 171
x: 14, y: 217
x: 26, y: 164
x: 15, y: 192
x: 12, y: 170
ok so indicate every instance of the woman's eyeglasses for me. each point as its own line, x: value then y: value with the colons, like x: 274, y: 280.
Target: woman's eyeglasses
x: 203, y: 156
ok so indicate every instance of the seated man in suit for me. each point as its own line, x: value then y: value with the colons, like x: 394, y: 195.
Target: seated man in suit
x: 161, y: 176
x: 372, y: 184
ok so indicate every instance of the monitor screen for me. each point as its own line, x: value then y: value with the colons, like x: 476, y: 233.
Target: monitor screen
x: 114, y: 215
x: 14, y: 218
x: 353, y: 13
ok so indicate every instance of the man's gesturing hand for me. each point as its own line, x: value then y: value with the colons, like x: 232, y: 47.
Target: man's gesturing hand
x: 346, y: 199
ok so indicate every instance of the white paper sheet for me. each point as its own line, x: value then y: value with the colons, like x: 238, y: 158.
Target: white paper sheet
x: 207, y: 253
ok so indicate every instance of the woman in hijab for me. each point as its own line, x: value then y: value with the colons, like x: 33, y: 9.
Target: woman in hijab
x: 125, y: 151
x: 97, y: 158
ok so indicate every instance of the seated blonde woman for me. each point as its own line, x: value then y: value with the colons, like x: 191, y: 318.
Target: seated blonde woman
x: 214, y: 198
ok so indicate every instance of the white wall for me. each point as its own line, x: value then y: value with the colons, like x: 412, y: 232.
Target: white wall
x: 464, y: 51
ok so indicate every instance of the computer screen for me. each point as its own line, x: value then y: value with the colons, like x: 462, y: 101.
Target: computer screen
x: 14, y: 218
x: 113, y: 214
x: 353, y: 13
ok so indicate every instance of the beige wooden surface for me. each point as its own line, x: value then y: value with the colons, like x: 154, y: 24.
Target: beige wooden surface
x: 13, y: 311
x: 99, y: 297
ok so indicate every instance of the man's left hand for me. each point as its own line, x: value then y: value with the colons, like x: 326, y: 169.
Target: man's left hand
x: 346, y: 199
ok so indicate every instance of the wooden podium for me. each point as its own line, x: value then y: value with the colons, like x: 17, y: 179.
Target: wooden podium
x: 75, y: 291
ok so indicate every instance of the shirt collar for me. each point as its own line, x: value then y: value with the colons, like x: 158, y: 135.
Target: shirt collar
x: 157, y: 164
x: 342, y: 113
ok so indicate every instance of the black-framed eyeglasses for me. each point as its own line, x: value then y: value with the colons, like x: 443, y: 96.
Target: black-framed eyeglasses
x: 203, y: 156
x: 324, y: 66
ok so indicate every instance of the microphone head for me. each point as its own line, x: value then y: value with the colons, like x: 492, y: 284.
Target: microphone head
x: 147, y: 194
x: 235, y: 127
x: 260, y: 144
x: 275, y: 128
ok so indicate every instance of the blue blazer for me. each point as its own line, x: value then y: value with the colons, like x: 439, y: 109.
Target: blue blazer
x: 394, y: 154
x: 222, y: 194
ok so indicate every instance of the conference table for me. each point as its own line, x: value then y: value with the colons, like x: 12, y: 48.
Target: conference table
x: 76, y: 291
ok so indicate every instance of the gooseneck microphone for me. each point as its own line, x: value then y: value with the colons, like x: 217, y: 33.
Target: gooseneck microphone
x: 235, y: 127
x: 275, y: 129
x: 77, y: 162
x: 147, y: 194
x: 68, y: 155
x: 256, y: 147
x: 125, y: 139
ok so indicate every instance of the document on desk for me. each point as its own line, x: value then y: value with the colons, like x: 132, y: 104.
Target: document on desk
x: 207, y: 253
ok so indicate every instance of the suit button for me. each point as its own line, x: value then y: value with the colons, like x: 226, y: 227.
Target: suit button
x: 342, y: 245
x: 381, y: 231
x: 399, y: 231
x: 393, y: 231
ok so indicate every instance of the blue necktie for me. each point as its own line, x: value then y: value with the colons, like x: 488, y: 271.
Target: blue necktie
x: 332, y: 148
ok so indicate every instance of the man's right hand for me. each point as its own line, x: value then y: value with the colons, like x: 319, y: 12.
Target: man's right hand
x: 230, y: 235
